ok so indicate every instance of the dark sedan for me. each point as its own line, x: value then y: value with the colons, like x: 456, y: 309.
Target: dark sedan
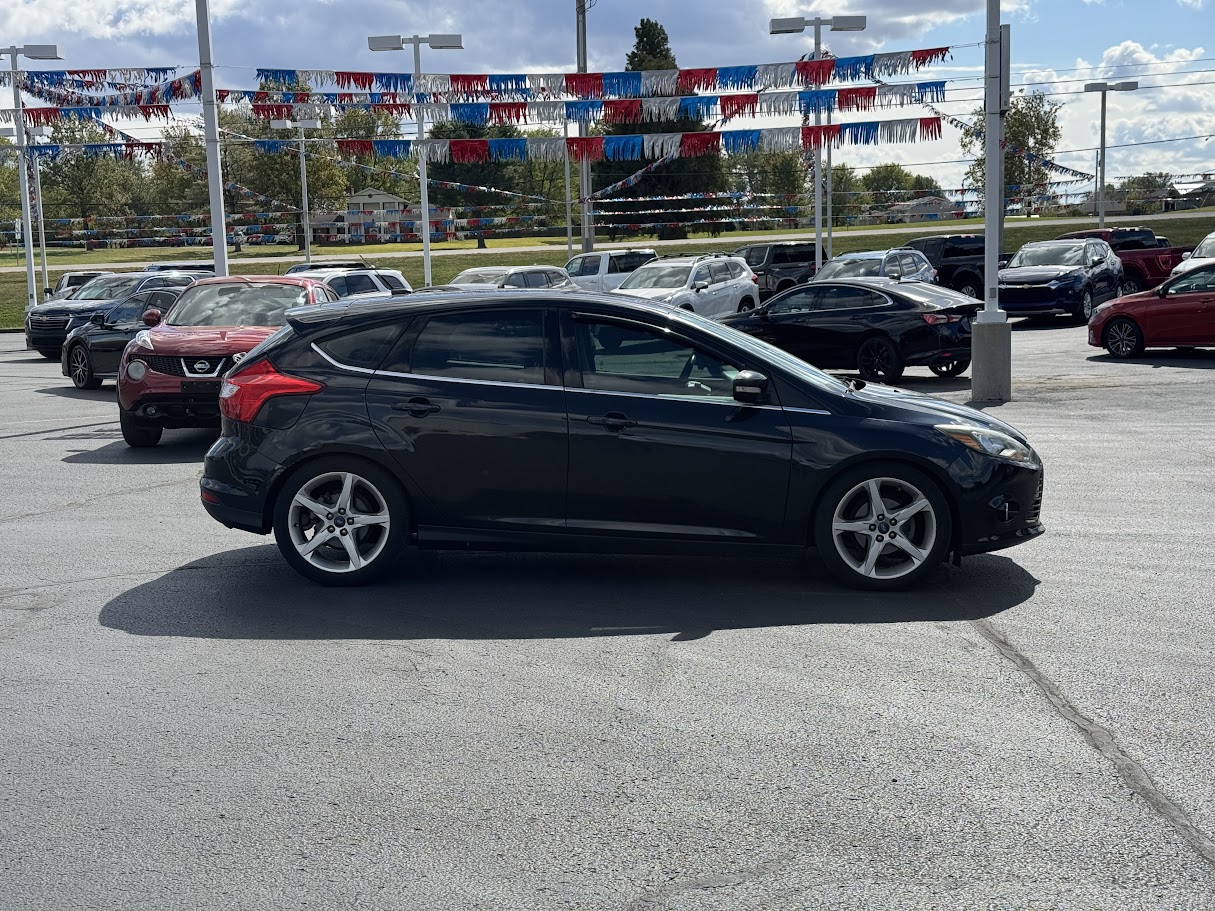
x: 91, y: 352
x: 1060, y: 276
x: 877, y: 326
x: 556, y: 421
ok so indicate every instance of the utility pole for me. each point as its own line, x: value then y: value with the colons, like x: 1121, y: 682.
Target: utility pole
x: 215, y: 175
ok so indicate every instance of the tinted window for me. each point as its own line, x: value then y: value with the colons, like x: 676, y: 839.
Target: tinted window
x: 338, y: 284
x: 1197, y: 280
x: 963, y: 246
x: 517, y: 280
x: 130, y: 309
x: 618, y: 358
x: 162, y: 300
x: 910, y: 265
x: 360, y: 284
x: 583, y: 265
x: 362, y: 348
x: 503, y: 345
x: 75, y: 281
x: 701, y: 274
x: 842, y: 298
x: 720, y: 272
x: 796, y: 301
x: 851, y: 268
x: 613, y: 265
x: 799, y: 253
x: 174, y: 281
x: 755, y: 256
x: 1133, y: 240
x: 628, y: 262
x: 537, y: 279
x: 558, y: 279
x: 261, y: 304
x: 391, y: 281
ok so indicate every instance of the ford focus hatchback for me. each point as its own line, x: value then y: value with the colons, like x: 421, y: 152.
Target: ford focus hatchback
x: 555, y: 421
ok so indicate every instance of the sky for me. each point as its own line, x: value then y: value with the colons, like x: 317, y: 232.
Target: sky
x: 1057, y: 46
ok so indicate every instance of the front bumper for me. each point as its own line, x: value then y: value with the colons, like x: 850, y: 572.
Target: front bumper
x: 1040, y: 298
x: 1003, y: 511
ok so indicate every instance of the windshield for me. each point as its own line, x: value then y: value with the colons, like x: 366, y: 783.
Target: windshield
x: 261, y: 304
x: 1206, y: 248
x: 671, y: 276
x: 107, y: 288
x: 479, y: 277
x: 1052, y: 255
x: 778, y: 357
x: 851, y: 268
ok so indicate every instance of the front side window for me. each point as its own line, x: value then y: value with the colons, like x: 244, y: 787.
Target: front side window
x: 701, y: 275
x: 845, y: 298
x: 516, y: 280
x: 1195, y: 280
x: 537, y: 279
x: 755, y: 256
x: 800, y: 300
x: 130, y: 309
x: 502, y: 346
x: 583, y: 266
x: 622, y: 358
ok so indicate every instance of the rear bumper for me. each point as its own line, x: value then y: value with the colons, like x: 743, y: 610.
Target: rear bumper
x: 236, y: 483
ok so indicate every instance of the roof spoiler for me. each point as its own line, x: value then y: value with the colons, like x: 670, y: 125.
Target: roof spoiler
x: 308, y: 316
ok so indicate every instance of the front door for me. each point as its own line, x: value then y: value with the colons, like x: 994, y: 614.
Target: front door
x: 789, y: 322
x: 470, y: 405
x: 658, y: 446
x: 1185, y: 315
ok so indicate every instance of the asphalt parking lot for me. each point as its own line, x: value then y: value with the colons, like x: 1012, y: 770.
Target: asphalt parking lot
x: 185, y: 723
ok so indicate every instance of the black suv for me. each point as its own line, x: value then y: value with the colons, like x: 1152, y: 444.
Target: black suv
x: 958, y: 259
x: 779, y: 266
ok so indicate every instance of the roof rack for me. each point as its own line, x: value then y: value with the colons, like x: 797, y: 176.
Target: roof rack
x: 696, y: 255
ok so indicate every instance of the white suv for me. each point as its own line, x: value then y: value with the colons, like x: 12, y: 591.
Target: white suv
x: 716, y: 284
x: 358, y: 282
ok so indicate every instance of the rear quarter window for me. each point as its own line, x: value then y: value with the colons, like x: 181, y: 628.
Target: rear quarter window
x: 364, y: 347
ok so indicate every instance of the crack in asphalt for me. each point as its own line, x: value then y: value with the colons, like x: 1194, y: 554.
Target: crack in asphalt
x: 1102, y: 739
x: 34, y: 433
x: 101, y: 496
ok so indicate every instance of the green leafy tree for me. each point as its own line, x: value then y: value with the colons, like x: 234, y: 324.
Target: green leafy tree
x: 849, y: 198
x: 10, y: 195
x: 1031, y: 124
x: 1144, y: 194
x: 497, y: 174
x: 651, y: 49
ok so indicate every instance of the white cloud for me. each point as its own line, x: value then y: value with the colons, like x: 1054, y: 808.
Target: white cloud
x: 105, y: 18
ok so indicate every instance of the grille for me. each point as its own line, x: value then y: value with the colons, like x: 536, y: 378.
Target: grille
x: 48, y: 322
x: 177, y: 366
x: 1035, y: 510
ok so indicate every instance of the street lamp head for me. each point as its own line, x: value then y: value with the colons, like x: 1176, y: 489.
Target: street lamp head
x: 446, y: 42
x: 1096, y: 86
x: 788, y: 26
x: 385, y: 43
x: 281, y: 124
x: 310, y: 123
x: 1125, y: 86
x: 848, y: 23
x: 41, y: 52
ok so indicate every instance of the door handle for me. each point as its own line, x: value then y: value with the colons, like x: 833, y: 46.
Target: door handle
x: 613, y: 420
x: 418, y: 407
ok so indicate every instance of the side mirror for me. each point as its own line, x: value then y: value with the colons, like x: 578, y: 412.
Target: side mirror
x: 1185, y: 256
x: 1097, y: 260
x: 1001, y: 264
x: 151, y: 317
x: 700, y: 286
x: 97, y: 319
x: 1161, y: 291
x: 749, y: 387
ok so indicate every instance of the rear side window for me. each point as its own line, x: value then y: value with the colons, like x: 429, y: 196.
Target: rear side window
x: 736, y: 268
x: 794, y: 254
x: 360, y: 284
x: 720, y: 272
x: 755, y: 256
x: 363, y: 347
x: 628, y: 262
x: 537, y: 279
x: 503, y: 346
x: 1133, y: 240
x: 963, y: 246
x: 391, y: 281
x: 338, y: 284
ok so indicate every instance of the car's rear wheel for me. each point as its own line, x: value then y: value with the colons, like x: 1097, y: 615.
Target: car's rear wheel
x: 878, y: 360
x: 950, y: 368
x: 1131, y: 284
x: 80, y: 368
x: 967, y: 286
x: 1124, y: 338
x: 1085, y: 309
x: 882, y: 526
x: 137, y: 433
x: 341, y: 521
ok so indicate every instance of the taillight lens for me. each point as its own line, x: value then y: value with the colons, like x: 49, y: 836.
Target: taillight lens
x: 936, y: 319
x: 755, y: 278
x: 243, y: 394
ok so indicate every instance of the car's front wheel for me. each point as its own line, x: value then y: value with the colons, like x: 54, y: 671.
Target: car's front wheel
x: 746, y: 304
x: 1123, y: 338
x: 80, y: 368
x: 341, y: 521
x: 878, y: 360
x: 137, y: 433
x: 882, y: 526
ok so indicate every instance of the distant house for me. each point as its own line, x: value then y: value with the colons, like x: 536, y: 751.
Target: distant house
x: 373, y: 216
x: 1196, y: 196
x: 926, y: 208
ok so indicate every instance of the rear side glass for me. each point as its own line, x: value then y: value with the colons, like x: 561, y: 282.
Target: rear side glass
x: 363, y: 347
x: 360, y: 284
x: 755, y: 256
x: 391, y: 281
x: 720, y: 272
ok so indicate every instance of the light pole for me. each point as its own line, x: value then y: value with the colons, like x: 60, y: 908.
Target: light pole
x: 210, y: 106
x: 795, y: 25
x: 33, y: 52
x: 305, y: 225
x: 397, y: 43
x: 39, y: 215
x: 1104, y: 87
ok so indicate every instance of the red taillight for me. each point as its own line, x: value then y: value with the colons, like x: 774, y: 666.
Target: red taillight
x: 935, y: 319
x: 755, y: 278
x: 244, y: 393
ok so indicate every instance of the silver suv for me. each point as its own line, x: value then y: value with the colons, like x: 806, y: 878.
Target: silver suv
x: 358, y: 282
x: 713, y: 285
x: 900, y: 263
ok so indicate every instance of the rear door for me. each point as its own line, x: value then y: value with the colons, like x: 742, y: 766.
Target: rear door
x: 658, y: 446
x: 470, y: 404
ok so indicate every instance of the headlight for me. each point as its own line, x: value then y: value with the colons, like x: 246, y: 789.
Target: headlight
x: 1071, y: 278
x: 136, y: 370
x: 991, y: 442
x: 143, y: 339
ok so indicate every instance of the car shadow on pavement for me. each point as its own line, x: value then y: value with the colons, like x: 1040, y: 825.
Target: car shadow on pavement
x: 252, y: 594
x: 1045, y: 322
x: 68, y: 391
x: 1193, y: 359
x: 177, y: 447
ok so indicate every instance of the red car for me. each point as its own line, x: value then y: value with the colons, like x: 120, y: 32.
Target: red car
x: 170, y: 373
x: 1178, y: 314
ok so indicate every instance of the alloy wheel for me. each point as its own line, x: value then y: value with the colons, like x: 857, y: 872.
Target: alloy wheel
x: 878, y: 360
x: 339, y: 522
x: 78, y: 364
x: 1123, y: 339
x: 1086, y: 305
x: 884, y: 528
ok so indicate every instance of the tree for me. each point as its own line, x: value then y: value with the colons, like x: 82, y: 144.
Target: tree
x: 496, y: 174
x: 1031, y: 125
x: 849, y: 198
x: 702, y: 174
x: 10, y: 194
x: 1144, y: 194
x: 888, y: 183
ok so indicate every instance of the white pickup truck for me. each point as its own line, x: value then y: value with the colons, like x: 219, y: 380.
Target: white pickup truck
x: 605, y: 271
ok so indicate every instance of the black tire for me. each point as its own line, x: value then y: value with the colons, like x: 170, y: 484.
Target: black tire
x: 848, y: 554
x: 950, y: 368
x: 878, y: 360
x: 785, y: 286
x: 80, y: 368
x: 138, y: 434
x: 746, y: 304
x: 1130, y: 285
x: 373, y: 493
x: 1084, y: 309
x: 1123, y: 338
x: 51, y: 354
x: 968, y: 285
